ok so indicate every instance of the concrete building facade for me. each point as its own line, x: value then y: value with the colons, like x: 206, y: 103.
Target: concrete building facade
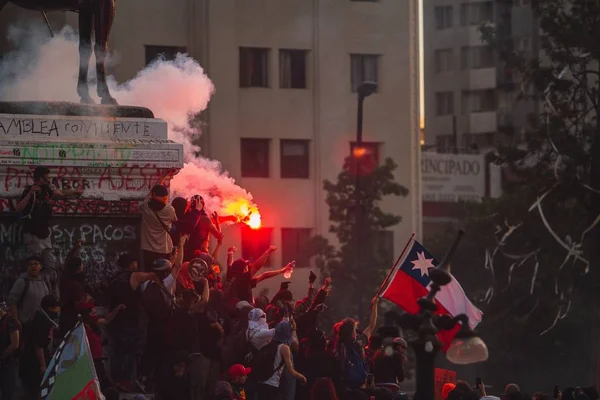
x: 471, y: 98
x: 284, y: 114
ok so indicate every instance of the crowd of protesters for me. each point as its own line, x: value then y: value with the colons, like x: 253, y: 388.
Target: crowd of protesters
x: 178, y: 326
x: 463, y: 391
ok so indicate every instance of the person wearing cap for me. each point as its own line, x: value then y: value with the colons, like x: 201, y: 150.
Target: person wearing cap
x: 35, y: 354
x: 34, y: 205
x: 202, y: 228
x: 158, y: 217
x: 28, y: 291
x: 238, y: 374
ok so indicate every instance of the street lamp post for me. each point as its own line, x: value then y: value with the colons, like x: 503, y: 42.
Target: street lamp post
x: 364, y: 90
x: 466, y: 348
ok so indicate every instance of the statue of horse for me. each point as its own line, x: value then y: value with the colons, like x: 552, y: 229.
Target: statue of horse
x: 93, y: 14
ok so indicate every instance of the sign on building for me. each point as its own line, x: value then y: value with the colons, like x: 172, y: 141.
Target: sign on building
x: 452, y: 177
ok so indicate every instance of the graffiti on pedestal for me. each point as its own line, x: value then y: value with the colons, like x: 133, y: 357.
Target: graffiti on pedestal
x: 104, y: 241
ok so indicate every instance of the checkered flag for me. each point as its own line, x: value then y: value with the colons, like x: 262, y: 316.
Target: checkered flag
x: 50, y: 375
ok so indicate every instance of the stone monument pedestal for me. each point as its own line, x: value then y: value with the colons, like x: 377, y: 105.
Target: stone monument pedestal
x: 116, y: 154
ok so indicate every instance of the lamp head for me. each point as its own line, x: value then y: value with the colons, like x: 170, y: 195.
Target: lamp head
x: 366, y: 88
x: 467, y: 347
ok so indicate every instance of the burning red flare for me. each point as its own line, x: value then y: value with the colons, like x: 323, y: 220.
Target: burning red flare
x: 245, y: 211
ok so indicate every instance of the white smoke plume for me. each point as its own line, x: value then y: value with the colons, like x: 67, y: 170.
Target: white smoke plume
x: 45, y: 69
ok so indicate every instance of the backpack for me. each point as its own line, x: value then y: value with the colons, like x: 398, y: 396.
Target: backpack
x: 263, y: 361
x: 355, y: 367
x: 26, y: 289
x: 248, y: 351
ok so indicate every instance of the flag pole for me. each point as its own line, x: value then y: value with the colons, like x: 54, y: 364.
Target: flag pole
x: 387, y: 278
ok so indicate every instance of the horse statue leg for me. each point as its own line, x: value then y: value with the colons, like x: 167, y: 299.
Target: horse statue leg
x: 86, y: 22
x: 104, y: 14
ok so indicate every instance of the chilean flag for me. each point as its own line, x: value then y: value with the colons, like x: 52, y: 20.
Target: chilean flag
x: 409, y: 281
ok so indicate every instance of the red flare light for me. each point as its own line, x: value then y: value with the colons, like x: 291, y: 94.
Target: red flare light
x: 245, y: 211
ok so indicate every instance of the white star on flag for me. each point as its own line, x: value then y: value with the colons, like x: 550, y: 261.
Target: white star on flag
x: 423, y: 263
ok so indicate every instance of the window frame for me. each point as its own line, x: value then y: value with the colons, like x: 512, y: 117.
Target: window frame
x: 448, y: 110
x: 255, y: 242
x: 246, y: 168
x: 449, y: 61
x: 285, y: 173
x: 243, y: 52
x: 304, y: 53
x: 443, y: 26
x: 301, y: 262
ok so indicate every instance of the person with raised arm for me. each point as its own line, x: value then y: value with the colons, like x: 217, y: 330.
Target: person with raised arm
x: 36, y: 210
x: 241, y: 277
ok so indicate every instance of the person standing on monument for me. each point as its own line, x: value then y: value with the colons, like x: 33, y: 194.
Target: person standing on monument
x: 201, y: 229
x: 158, y: 217
x: 34, y: 205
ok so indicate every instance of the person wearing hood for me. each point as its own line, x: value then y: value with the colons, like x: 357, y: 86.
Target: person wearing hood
x: 158, y: 217
x: 28, y: 291
x: 202, y: 228
x: 258, y: 335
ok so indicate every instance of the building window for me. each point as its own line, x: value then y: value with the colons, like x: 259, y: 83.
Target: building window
x: 478, y: 140
x: 254, y: 67
x: 292, y: 69
x: 474, y: 57
x: 294, y: 158
x: 443, y: 17
x: 444, y: 103
x: 165, y: 52
x: 255, y: 242
x: 444, y: 143
x: 363, y: 68
x: 476, y: 13
x: 478, y: 101
x: 255, y: 158
x: 293, y: 243
x: 444, y: 60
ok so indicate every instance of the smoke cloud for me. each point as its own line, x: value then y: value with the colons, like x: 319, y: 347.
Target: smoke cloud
x: 45, y: 69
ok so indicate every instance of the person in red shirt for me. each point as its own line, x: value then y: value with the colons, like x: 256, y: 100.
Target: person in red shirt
x: 238, y: 374
x: 92, y: 323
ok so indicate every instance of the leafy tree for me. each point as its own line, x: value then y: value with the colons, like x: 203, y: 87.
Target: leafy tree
x: 359, y: 262
x: 529, y: 259
x: 501, y: 267
x: 560, y: 162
